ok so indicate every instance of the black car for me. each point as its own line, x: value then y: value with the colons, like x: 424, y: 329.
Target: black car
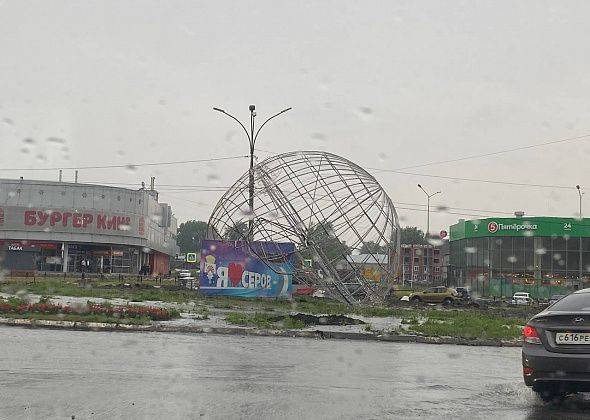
x: 556, y: 348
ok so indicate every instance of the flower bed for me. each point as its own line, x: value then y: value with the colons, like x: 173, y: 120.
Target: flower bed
x: 153, y: 313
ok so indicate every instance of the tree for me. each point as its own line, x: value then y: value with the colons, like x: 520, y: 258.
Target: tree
x: 237, y: 232
x: 190, y: 235
x: 322, y: 236
x: 371, y: 247
x: 411, y: 235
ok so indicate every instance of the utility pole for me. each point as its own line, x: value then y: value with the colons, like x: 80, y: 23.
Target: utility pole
x: 581, y: 268
x: 428, y: 208
x: 429, y: 260
x: 252, y: 136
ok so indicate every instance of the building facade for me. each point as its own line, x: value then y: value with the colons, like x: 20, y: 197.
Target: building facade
x: 547, y: 251
x: 69, y: 227
x: 422, y: 264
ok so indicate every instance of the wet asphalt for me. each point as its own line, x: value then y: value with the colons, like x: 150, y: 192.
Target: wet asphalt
x: 102, y: 375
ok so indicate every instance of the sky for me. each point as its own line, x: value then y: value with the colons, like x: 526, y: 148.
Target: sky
x: 413, y: 86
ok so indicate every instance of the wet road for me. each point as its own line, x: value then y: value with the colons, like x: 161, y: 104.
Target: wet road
x: 100, y: 375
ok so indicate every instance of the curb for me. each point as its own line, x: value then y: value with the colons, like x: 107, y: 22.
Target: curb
x: 317, y: 334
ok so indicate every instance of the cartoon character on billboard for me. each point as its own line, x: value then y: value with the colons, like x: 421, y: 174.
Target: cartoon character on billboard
x: 210, y: 266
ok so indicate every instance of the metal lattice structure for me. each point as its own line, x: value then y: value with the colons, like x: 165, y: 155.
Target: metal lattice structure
x: 342, y: 222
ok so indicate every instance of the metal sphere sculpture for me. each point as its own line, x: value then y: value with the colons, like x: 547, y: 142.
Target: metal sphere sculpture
x: 343, y: 224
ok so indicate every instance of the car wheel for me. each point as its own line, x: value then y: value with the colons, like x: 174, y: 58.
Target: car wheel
x: 416, y: 299
x: 447, y: 302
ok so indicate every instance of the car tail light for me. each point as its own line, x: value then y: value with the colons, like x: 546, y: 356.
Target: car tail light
x: 527, y: 371
x: 530, y: 335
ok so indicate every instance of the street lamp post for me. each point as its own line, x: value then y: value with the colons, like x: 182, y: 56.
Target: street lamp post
x: 252, y: 136
x: 580, y: 193
x: 428, y: 208
x: 429, y: 263
x: 581, y: 270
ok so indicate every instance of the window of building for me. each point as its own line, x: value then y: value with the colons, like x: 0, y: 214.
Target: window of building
x: 436, y: 269
x: 416, y: 268
x: 436, y: 251
x: 436, y: 260
x: 426, y: 269
x: 416, y: 260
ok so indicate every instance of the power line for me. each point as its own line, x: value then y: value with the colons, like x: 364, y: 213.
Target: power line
x: 485, y: 181
x: 130, y: 166
x: 499, y: 152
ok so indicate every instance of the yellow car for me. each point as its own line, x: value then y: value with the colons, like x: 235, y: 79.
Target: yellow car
x: 438, y: 294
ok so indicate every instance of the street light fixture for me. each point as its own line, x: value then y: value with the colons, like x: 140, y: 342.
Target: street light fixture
x: 580, y: 194
x: 428, y: 209
x: 252, y: 136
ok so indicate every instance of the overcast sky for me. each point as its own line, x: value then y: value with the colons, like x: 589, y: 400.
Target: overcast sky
x: 389, y: 85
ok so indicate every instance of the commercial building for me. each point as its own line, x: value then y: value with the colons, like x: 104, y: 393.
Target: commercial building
x: 421, y: 264
x: 70, y: 227
x: 544, y: 252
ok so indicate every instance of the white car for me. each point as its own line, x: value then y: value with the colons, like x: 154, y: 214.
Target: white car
x: 521, y: 298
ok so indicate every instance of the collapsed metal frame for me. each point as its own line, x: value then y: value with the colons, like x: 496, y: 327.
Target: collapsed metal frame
x: 330, y: 208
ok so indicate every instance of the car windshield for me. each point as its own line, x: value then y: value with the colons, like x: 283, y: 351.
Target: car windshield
x: 257, y: 209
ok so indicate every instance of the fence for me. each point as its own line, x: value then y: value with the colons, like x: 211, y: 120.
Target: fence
x: 538, y: 289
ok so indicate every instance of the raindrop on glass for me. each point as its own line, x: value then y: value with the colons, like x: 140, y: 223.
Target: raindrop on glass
x: 7, y: 121
x: 540, y: 251
x: 366, y: 112
x: 56, y: 140
x: 247, y: 213
x: 435, y: 241
x: 28, y: 140
x: 512, y: 259
x: 470, y: 249
x: 131, y: 168
x: 319, y: 137
x: 212, y: 178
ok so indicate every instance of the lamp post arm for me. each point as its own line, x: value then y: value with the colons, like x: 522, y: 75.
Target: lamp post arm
x: 236, y: 120
x: 264, y: 123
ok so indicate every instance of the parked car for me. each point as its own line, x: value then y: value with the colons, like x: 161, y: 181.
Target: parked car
x: 521, y: 298
x: 555, y: 298
x: 439, y: 294
x: 556, y: 348
x: 463, y: 293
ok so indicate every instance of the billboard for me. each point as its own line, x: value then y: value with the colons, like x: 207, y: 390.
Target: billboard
x: 71, y: 221
x: 236, y: 268
x: 521, y: 226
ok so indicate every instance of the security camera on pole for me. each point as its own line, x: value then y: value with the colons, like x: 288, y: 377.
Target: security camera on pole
x: 252, y: 140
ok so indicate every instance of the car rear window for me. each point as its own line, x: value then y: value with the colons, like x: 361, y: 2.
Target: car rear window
x: 574, y: 302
